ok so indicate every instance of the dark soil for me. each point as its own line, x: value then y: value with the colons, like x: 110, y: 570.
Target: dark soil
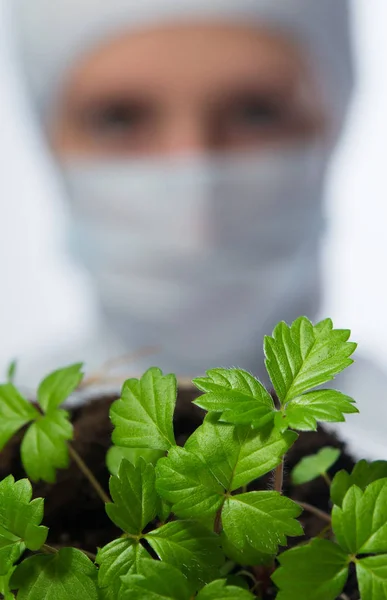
x: 76, y: 516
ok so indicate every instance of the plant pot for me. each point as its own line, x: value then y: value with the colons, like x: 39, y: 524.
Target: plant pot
x: 75, y: 514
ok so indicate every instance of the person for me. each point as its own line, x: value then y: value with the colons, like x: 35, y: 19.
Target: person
x: 193, y: 139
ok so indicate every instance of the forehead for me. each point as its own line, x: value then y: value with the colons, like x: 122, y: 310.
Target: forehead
x: 210, y: 53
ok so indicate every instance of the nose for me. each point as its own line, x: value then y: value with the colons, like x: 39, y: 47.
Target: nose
x: 186, y: 133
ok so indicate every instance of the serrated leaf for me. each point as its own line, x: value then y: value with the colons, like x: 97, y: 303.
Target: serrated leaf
x: 326, y: 406
x: 372, y: 577
x: 19, y: 521
x: 15, y: 412
x: 219, y: 590
x: 301, y: 357
x: 238, y: 396
x: 134, y: 497
x: 11, y: 549
x: 316, y: 571
x: 360, y: 526
x: 156, y: 581
x: 116, y: 559
x: 67, y: 574
x: 362, y: 475
x: 44, y: 447
x: 273, y: 517
x: 143, y: 416
x: 311, y: 467
x: 58, y: 386
x: 184, y: 481
x: 4, y: 585
x: 237, y: 455
x: 191, y: 547
x: 116, y: 454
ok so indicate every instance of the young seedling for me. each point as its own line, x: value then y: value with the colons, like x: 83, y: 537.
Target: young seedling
x: 193, y: 525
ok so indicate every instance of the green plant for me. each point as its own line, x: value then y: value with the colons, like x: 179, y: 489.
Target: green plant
x: 192, y: 524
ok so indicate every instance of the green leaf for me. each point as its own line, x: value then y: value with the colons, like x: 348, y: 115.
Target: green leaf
x: 62, y: 576
x: 362, y: 475
x: 15, y: 412
x: 217, y: 458
x: 245, y: 556
x: 190, y: 547
x: 4, y: 585
x: 218, y: 590
x: 156, y: 581
x: 44, y: 447
x: 134, y: 497
x: 184, y: 481
x: 372, y: 577
x: 19, y: 521
x: 116, y: 454
x: 118, y: 558
x: 360, y: 526
x: 327, y: 406
x: 238, y: 396
x: 302, y: 356
x: 263, y: 519
x: 143, y: 416
x: 311, y: 467
x: 58, y: 386
x: 315, y: 571
x: 11, y: 372
x: 237, y: 455
x: 163, y: 510
x: 238, y: 581
x: 11, y: 549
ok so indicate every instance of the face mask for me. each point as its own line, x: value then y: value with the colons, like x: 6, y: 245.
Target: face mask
x: 200, y: 257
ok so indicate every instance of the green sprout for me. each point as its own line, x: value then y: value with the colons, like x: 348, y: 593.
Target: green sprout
x: 192, y: 524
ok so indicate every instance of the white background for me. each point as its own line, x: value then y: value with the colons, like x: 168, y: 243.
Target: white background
x: 43, y: 301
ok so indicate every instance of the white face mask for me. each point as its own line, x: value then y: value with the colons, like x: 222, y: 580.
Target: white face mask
x: 201, y: 256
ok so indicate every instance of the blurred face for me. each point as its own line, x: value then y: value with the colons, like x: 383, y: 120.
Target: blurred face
x: 187, y: 89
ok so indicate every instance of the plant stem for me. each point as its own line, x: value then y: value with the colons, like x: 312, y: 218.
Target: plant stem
x: 327, y: 479
x: 218, y: 521
x: 315, y: 511
x: 327, y: 529
x: 51, y: 550
x: 247, y: 574
x: 88, y: 474
x: 279, y: 477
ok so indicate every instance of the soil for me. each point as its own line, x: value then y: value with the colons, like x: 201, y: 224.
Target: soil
x: 76, y: 516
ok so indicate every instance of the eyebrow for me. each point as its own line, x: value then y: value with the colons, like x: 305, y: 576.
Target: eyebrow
x: 231, y: 89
